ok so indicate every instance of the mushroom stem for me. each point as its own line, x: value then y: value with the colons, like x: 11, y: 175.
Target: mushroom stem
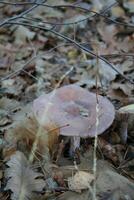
x: 123, y: 131
x: 75, y: 144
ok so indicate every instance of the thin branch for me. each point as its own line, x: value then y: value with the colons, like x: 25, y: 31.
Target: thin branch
x: 75, y: 43
x: 17, y: 71
x: 79, y: 21
x: 22, y: 3
x: 101, y: 14
x: 49, y: 51
x: 21, y: 14
x: 118, y: 55
x: 107, y: 8
x: 10, y: 21
x: 27, y: 63
x: 55, y: 23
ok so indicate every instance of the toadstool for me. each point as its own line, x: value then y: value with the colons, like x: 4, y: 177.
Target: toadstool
x: 124, y: 114
x: 76, y: 107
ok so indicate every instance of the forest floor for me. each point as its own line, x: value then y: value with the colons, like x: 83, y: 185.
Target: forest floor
x: 49, y: 44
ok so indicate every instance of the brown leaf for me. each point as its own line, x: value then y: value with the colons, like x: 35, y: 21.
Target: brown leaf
x: 26, y: 131
x: 107, y: 33
x: 108, y: 150
x: 22, y: 33
x: 23, y: 180
x: 81, y: 180
x: 127, y: 88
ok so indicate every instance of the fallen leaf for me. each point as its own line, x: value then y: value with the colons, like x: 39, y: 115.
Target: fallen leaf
x: 8, y: 104
x: 22, y: 179
x: 14, y: 86
x: 76, y: 18
x: 26, y: 131
x: 87, y: 75
x: 81, y: 180
x: 4, y: 120
x: 21, y: 35
x: 127, y: 109
x: 117, y: 11
x: 126, y: 87
x: 107, y: 33
x: 129, y: 5
x: 108, y: 150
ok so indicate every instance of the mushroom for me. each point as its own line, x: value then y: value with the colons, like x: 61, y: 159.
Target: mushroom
x: 124, y: 115
x: 74, y: 110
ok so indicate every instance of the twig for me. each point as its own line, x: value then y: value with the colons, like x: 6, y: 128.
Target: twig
x: 20, y: 15
x: 17, y: 71
x: 117, y: 55
x: 28, y: 62
x: 77, y: 44
x: 10, y: 21
x: 96, y: 130
x: 101, y: 14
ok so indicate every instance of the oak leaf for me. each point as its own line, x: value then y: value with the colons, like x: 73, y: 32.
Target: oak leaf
x: 23, y: 181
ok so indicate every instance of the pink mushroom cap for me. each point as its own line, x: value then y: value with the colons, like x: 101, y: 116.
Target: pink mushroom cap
x: 74, y: 110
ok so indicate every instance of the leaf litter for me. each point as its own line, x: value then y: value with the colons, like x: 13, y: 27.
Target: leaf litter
x: 22, y: 179
x: 19, y: 130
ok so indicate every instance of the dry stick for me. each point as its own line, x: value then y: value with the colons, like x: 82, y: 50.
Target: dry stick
x: 117, y: 55
x: 28, y: 73
x: 21, y: 14
x: 77, y: 44
x: 74, y: 42
x: 53, y: 6
x: 17, y: 71
x: 72, y: 6
x: 101, y: 14
x: 28, y: 62
x: 68, y: 39
x: 41, y: 4
x: 96, y: 134
x: 49, y: 51
x: 75, y: 28
x: 95, y: 13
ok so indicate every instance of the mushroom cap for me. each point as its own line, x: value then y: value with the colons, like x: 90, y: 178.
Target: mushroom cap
x: 76, y: 107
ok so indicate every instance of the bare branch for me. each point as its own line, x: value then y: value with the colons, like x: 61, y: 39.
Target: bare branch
x: 101, y: 14
x: 13, y: 20
x: 34, y: 57
x: 20, y: 15
x: 77, y: 44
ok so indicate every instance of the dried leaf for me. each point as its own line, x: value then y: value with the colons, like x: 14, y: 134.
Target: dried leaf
x: 127, y: 88
x: 8, y: 104
x: 127, y: 109
x: 23, y: 180
x: 108, y: 33
x: 26, y: 131
x: 87, y: 75
x: 4, y: 118
x: 117, y: 11
x: 108, y: 150
x: 76, y: 18
x: 129, y: 5
x: 81, y: 180
x: 22, y: 34
x: 14, y: 86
